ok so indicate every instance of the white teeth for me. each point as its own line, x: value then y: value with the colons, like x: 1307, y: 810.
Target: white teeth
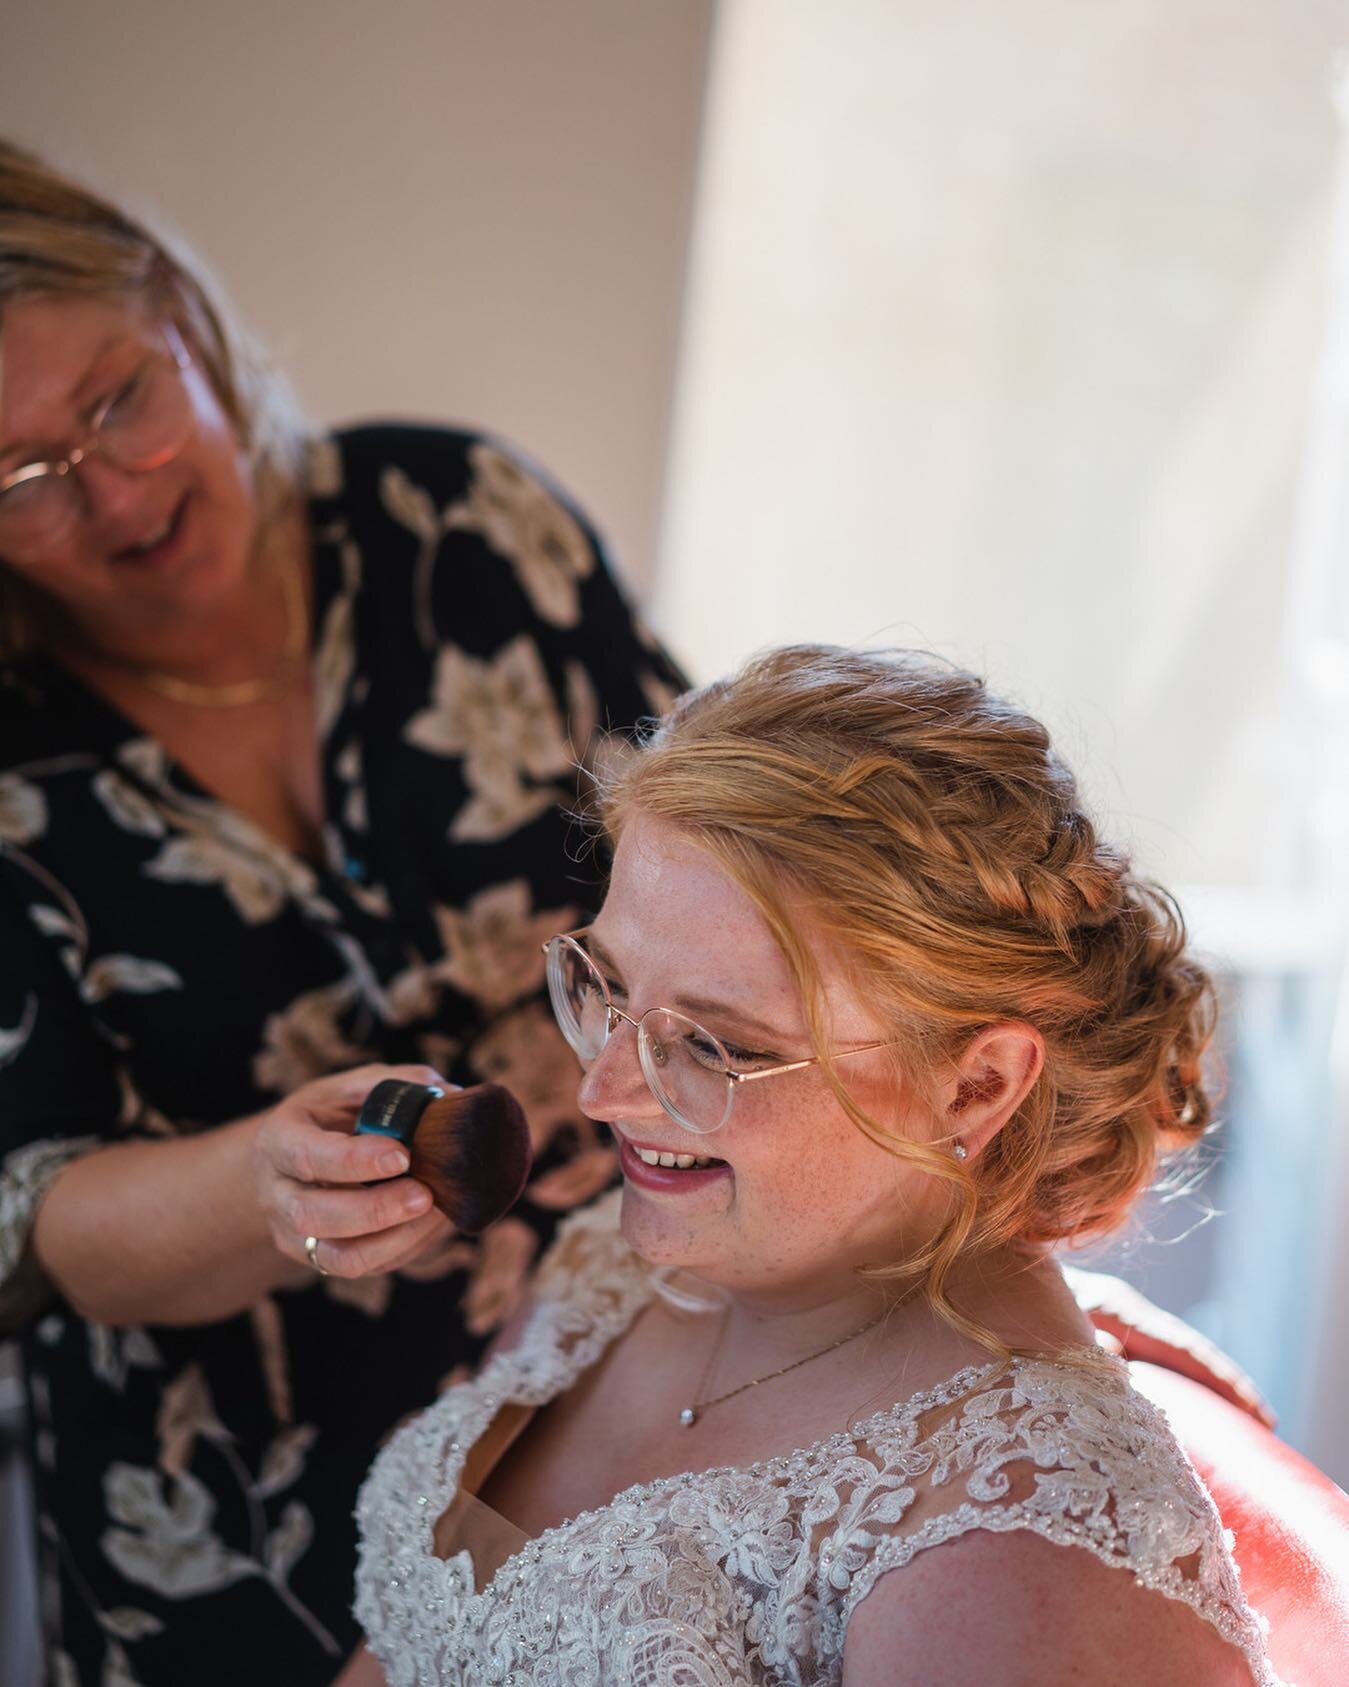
x: 685, y: 1162
x: 156, y: 538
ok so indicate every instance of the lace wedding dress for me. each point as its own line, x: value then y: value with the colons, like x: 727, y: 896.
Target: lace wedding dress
x: 750, y: 1574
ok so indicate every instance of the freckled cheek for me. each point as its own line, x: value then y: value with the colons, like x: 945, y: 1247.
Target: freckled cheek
x: 791, y: 1171
x: 815, y: 1173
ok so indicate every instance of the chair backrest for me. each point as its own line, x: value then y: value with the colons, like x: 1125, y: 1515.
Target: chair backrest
x: 1290, y: 1522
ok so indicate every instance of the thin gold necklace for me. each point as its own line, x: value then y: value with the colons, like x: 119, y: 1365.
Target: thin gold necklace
x: 246, y: 691
x: 692, y: 1412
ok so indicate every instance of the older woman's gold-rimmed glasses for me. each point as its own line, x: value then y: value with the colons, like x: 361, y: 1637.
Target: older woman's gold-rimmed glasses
x: 141, y: 426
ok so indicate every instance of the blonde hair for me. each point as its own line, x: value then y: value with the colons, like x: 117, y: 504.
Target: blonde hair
x: 930, y: 832
x: 58, y: 239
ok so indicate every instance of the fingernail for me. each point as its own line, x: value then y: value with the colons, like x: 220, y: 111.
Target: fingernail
x: 416, y: 1200
x: 394, y: 1161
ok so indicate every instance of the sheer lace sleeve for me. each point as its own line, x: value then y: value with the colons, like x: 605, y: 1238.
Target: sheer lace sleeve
x: 1070, y: 1452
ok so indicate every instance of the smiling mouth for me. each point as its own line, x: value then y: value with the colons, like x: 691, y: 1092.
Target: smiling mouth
x: 153, y: 540
x: 680, y: 1162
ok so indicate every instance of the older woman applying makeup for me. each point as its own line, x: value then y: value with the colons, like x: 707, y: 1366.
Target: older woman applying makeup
x: 286, y: 722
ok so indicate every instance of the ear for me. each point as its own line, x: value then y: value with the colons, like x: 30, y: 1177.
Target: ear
x: 993, y: 1075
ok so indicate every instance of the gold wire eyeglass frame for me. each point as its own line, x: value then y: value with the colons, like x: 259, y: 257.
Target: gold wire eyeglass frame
x: 57, y: 470
x: 647, y: 1044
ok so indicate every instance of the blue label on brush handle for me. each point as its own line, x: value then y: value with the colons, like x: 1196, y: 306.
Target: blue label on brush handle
x: 393, y: 1108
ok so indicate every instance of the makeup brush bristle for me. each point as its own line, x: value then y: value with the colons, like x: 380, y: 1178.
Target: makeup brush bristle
x: 471, y: 1148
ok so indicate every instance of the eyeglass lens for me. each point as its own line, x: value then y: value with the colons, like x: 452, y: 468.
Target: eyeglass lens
x: 682, y: 1062
x: 147, y: 423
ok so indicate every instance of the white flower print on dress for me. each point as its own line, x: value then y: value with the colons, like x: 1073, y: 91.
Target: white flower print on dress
x: 147, y: 759
x: 323, y: 471
x: 575, y: 1181
x: 252, y: 882
x: 370, y: 1295
x: 335, y: 648
x: 657, y: 692
x: 117, y: 1671
x: 186, y: 1411
x: 113, y: 1352
x: 494, y: 945
x: 129, y: 1624
x: 108, y: 974
x: 334, y: 660
x: 167, y: 1543
x: 269, y: 1338
x: 497, y: 1285
x: 127, y: 807
x: 501, y: 717
x: 25, y: 1176
x: 135, y: 1112
x: 413, y: 507
x: 23, y: 810
x: 63, y: 1670
x: 305, y: 1041
x: 583, y: 711
x: 409, y: 504
x: 284, y: 1461
x: 213, y: 844
x: 14, y: 1037
x: 520, y: 519
x: 409, y: 995
x: 527, y: 1053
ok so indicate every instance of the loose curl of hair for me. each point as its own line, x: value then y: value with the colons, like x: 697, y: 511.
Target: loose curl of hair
x: 58, y: 239
x: 933, y: 836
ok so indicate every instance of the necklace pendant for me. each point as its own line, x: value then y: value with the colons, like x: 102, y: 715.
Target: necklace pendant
x: 688, y: 1417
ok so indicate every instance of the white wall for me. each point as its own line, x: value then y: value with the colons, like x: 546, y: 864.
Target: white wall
x: 1007, y: 337
x: 1001, y: 325
x: 471, y: 209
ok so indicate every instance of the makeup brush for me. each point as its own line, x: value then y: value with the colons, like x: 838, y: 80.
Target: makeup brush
x: 469, y: 1147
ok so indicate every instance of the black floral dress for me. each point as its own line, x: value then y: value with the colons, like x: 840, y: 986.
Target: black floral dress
x: 166, y: 967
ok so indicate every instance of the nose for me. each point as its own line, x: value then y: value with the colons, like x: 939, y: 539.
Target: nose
x: 112, y: 496
x: 613, y: 1086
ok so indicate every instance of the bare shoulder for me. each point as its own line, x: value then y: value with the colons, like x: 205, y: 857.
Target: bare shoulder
x: 1020, y: 1610
x: 362, y: 1671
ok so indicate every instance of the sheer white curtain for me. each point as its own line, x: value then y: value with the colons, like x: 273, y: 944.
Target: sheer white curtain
x: 1001, y: 328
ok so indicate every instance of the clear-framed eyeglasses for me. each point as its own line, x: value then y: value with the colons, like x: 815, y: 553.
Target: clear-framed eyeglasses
x: 688, y: 1068
x: 141, y: 426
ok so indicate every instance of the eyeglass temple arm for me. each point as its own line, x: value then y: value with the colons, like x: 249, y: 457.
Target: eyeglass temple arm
x: 769, y: 1071
x: 796, y: 1065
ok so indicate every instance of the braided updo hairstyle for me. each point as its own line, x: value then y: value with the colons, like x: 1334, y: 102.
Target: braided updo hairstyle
x: 930, y: 833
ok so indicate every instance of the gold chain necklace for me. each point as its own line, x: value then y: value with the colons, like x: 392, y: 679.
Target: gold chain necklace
x: 691, y: 1413
x: 246, y: 691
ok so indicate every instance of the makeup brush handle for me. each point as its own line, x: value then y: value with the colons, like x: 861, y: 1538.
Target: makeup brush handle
x: 394, y: 1107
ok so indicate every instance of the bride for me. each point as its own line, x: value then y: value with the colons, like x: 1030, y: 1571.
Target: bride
x: 875, y: 1020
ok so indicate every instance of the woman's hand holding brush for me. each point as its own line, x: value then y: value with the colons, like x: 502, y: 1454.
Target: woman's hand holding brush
x: 341, y: 1203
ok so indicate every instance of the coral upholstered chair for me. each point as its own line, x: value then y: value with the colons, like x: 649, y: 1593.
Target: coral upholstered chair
x: 1291, y: 1524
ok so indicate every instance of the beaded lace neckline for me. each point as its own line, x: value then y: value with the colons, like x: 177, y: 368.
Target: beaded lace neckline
x: 745, y: 1575
x: 940, y: 1394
